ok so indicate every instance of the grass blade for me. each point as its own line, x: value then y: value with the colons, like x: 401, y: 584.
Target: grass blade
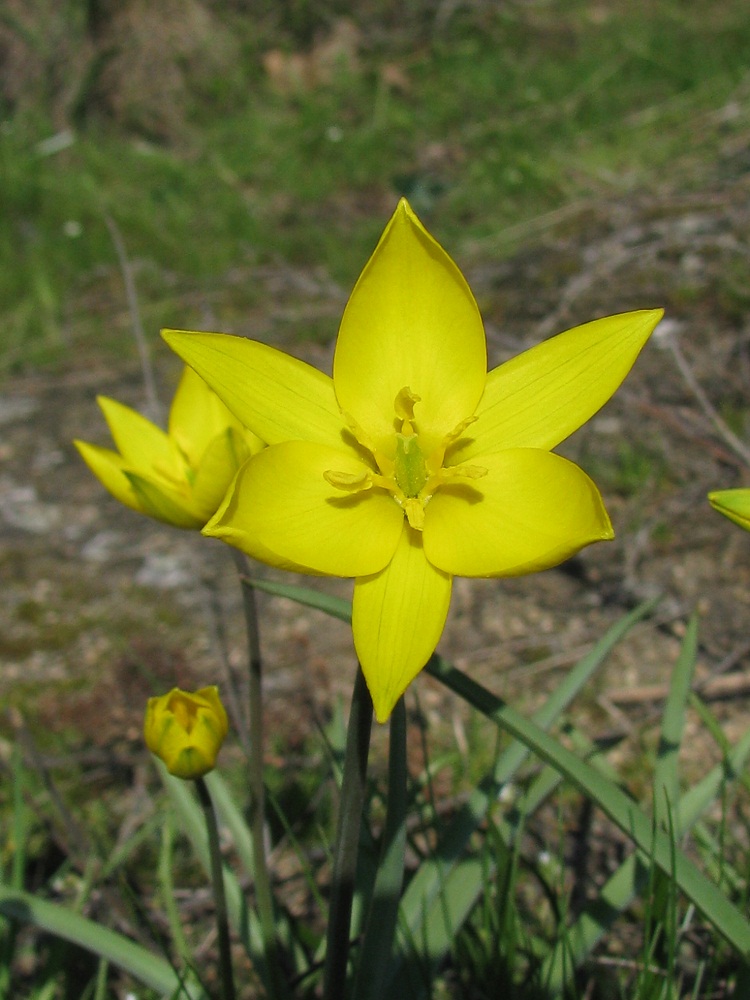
x: 623, y: 811
x: 232, y: 816
x: 633, y: 875
x: 666, y: 774
x: 336, y: 607
x: 149, y: 969
x: 242, y: 918
x: 424, y: 924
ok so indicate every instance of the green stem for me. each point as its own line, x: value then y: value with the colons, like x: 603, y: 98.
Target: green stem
x: 353, y: 787
x: 375, y: 958
x: 220, y: 900
x: 263, y: 892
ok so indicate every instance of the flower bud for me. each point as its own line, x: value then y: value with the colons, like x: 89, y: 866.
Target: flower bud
x: 186, y: 730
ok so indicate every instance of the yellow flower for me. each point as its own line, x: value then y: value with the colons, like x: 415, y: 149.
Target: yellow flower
x: 413, y: 464
x: 186, y: 730
x: 181, y: 476
x: 734, y: 504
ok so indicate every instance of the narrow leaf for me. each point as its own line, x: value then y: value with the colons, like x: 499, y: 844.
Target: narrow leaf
x: 622, y: 810
x: 149, y: 969
x: 666, y: 774
x: 422, y: 925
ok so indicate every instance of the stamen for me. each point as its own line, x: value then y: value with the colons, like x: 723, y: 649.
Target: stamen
x: 436, y: 459
x: 349, y: 482
x: 449, y: 474
x: 464, y: 472
x: 414, y: 510
x: 458, y: 430
x: 357, y: 432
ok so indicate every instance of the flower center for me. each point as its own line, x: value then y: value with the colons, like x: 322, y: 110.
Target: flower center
x: 409, y: 467
x: 410, y: 470
x: 409, y: 476
x: 184, y: 711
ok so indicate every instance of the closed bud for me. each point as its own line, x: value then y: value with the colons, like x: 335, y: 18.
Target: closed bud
x: 186, y: 730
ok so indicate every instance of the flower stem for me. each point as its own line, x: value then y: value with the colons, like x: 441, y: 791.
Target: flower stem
x: 263, y: 892
x: 353, y: 789
x: 217, y: 877
x: 375, y: 958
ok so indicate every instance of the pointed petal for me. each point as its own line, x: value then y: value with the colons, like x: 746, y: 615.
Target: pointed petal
x: 398, y: 617
x: 197, y: 416
x: 281, y: 510
x: 734, y: 504
x: 531, y: 511
x: 218, y: 467
x: 135, y: 491
x: 160, y: 503
x: 540, y: 397
x: 142, y: 444
x: 271, y: 393
x: 110, y: 469
x: 411, y: 322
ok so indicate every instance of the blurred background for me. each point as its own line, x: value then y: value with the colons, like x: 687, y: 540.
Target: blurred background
x: 249, y: 152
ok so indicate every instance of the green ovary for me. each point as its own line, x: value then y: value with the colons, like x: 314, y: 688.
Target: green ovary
x: 410, y: 471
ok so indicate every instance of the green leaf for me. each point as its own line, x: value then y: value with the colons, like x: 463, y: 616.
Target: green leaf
x: 244, y: 920
x: 633, y: 874
x: 233, y: 818
x: 149, y: 969
x: 427, y: 903
x: 666, y: 774
x: 336, y: 607
x: 166, y: 889
x: 621, y: 809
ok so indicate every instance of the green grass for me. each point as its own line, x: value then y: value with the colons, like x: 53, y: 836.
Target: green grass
x: 528, y: 902
x: 506, y: 112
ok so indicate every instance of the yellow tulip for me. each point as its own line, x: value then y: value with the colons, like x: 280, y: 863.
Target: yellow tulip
x: 179, y: 476
x: 186, y: 730
x: 413, y: 464
x: 734, y: 504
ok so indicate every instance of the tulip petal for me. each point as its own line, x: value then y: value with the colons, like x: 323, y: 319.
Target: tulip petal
x: 141, y: 443
x: 541, y: 396
x: 110, y: 469
x: 197, y: 416
x: 171, y: 508
x: 411, y: 322
x: 734, y: 504
x: 398, y: 617
x: 282, y: 510
x: 223, y: 456
x: 531, y: 511
x: 274, y: 395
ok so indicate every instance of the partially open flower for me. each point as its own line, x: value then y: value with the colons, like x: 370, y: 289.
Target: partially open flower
x: 186, y: 730
x: 734, y: 504
x: 179, y: 476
